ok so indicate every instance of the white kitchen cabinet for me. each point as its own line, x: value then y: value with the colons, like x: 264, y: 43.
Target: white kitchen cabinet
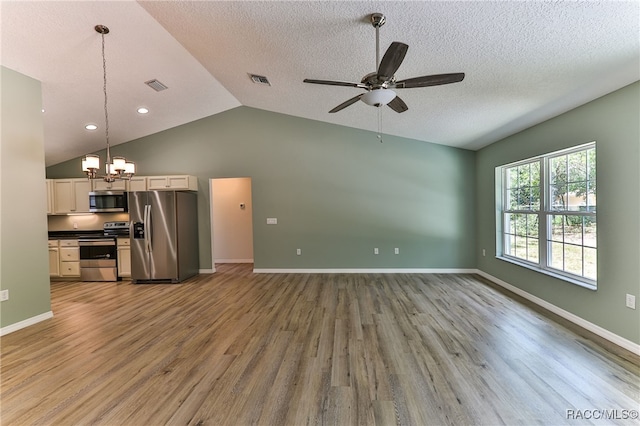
x: 69, y: 258
x: 138, y: 183
x: 71, y: 195
x: 178, y: 182
x: 101, y: 185
x: 124, y: 257
x: 49, y: 183
x: 54, y: 259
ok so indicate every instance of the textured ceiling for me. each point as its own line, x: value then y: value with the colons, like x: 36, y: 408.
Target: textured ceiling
x: 525, y: 62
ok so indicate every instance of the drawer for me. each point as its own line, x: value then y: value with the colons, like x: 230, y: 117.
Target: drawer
x: 124, y: 242
x: 53, y: 243
x: 68, y: 243
x: 68, y: 254
x: 70, y: 269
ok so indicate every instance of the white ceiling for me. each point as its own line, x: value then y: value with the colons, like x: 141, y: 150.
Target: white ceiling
x: 525, y: 62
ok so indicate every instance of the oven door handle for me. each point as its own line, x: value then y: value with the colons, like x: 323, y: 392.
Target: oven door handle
x: 96, y: 242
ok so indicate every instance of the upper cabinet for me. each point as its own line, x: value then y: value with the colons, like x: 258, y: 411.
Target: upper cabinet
x: 71, y: 196
x: 101, y: 185
x: 155, y: 183
x: 138, y: 183
x: 49, y: 183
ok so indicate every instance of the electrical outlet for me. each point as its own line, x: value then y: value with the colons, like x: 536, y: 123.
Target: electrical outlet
x: 631, y: 301
x: 272, y: 221
x: 4, y: 295
x: 396, y: 250
x: 75, y: 225
x: 298, y: 252
x: 375, y: 250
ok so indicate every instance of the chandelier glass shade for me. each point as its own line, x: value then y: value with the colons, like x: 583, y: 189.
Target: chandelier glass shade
x: 116, y: 167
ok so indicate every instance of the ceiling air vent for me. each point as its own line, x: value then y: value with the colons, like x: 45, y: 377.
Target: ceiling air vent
x: 156, y: 85
x: 260, y: 79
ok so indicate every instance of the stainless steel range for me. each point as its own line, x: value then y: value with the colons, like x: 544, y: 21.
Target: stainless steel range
x: 98, y: 253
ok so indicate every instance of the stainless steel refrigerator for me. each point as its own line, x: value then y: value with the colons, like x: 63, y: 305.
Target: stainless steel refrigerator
x: 164, y: 236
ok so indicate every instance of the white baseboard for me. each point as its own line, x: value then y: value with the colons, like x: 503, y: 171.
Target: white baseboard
x: 596, y: 329
x: 25, y: 323
x: 364, y: 271
x: 234, y: 260
x: 207, y: 271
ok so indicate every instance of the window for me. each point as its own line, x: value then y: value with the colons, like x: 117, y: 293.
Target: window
x: 547, y: 210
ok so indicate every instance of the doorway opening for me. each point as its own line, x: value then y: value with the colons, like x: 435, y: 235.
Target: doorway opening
x: 231, y: 220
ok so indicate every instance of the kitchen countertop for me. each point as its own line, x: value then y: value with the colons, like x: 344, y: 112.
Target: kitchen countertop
x: 76, y: 233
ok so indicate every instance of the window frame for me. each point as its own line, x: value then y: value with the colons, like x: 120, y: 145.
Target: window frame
x: 544, y: 214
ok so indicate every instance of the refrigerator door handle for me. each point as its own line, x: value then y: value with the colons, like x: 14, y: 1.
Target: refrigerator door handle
x: 147, y: 226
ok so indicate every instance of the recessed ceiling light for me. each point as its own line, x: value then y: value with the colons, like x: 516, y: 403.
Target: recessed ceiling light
x: 91, y: 127
x: 42, y: 109
x: 142, y: 110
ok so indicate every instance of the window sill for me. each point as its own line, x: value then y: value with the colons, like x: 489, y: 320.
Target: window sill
x: 547, y: 272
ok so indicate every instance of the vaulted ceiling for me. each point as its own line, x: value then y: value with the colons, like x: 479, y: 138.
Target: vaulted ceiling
x: 525, y: 62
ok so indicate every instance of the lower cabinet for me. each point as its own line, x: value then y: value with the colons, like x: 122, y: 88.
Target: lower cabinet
x: 69, y: 258
x: 54, y: 259
x: 124, y: 257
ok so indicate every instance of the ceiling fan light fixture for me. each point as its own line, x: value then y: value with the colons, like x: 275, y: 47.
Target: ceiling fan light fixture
x: 378, y: 97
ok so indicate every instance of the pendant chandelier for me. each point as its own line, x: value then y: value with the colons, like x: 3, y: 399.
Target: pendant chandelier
x: 116, y: 167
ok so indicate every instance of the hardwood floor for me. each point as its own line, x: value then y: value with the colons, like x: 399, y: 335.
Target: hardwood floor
x: 237, y: 348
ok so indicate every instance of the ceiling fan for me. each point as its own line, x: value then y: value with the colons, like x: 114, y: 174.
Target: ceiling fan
x: 379, y: 84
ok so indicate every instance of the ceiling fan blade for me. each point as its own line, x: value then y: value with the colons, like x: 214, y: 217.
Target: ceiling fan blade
x: 346, y: 103
x: 429, y: 80
x: 335, y: 83
x: 398, y: 105
x: 391, y: 60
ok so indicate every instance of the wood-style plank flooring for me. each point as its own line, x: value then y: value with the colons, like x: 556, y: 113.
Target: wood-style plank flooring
x: 237, y: 348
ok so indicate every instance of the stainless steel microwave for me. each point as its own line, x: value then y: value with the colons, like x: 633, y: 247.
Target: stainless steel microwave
x: 108, y: 201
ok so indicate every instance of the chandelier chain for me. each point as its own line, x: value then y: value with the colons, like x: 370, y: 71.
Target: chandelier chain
x: 106, y: 112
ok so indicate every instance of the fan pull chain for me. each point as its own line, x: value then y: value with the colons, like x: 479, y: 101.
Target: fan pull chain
x: 380, y: 124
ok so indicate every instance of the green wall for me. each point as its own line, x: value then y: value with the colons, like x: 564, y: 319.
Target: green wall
x: 24, y: 265
x: 337, y: 192
x: 613, y: 121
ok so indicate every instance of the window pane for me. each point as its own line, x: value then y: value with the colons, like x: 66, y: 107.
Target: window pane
x: 535, y: 198
x: 532, y: 250
x: 577, y: 199
x: 573, y: 259
x: 590, y: 232
x: 556, y: 259
x: 524, y: 200
x: 532, y: 225
x: 512, y: 177
x: 509, y: 223
x: 591, y: 165
x: 521, y: 224
x: 513, y: 199
x: 573, y: 229
x: 577, y: 166
x: 558, y: 172
x: 590, y: 263
x: 521, y: 247
x: 558, y: 196
x: 557, y: 227
x: 511, y: 242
